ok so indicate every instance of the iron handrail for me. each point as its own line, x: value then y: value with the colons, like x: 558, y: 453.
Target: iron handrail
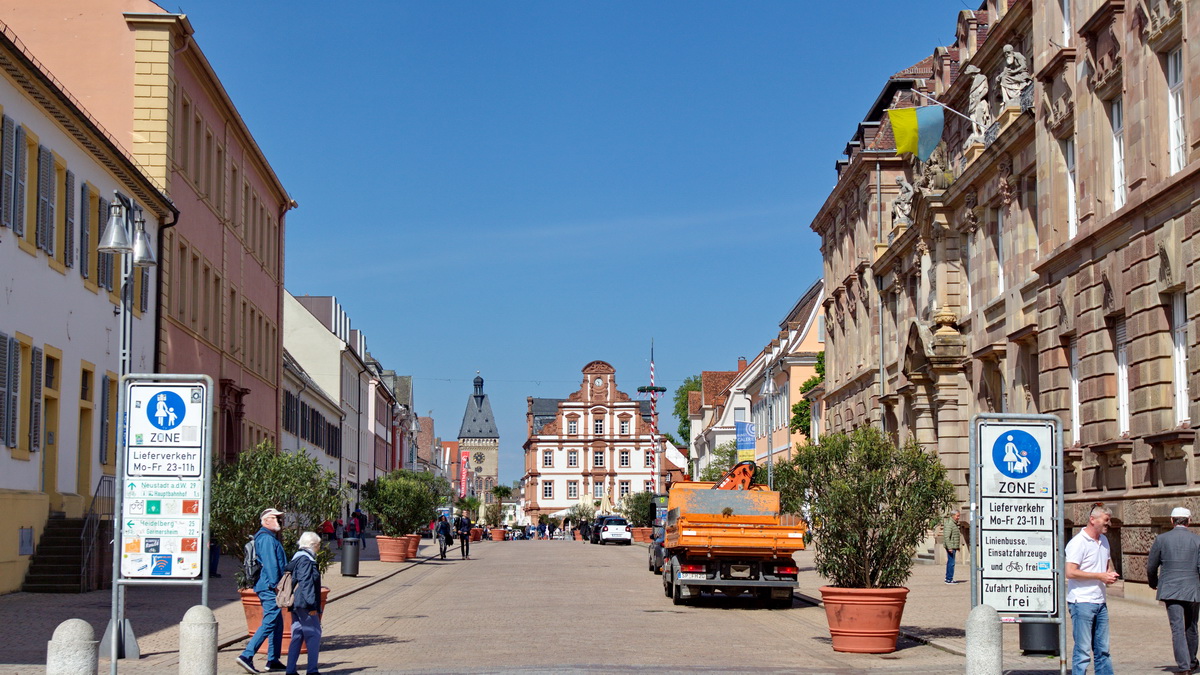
x: 101, y: 509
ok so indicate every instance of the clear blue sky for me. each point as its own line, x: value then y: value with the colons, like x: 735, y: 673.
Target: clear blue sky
x: 520, y: 188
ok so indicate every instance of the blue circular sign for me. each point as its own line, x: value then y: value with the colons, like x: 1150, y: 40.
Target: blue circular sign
x: 166, y: 410
x: 1016, y: 454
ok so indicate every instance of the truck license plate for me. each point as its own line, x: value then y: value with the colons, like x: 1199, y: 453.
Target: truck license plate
x: 692, y: 576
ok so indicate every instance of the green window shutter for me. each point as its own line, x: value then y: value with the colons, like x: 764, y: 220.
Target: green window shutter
x: 85, y: 235
x: 35, y: 401
x: 4, y: 387
x: 18, y: 202
x: 104, y: 403
x: 7, y: 159
x: 69, y: 235
x: 14, y: 381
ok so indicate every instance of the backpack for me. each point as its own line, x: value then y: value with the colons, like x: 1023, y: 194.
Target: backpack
x: 285, y: 590
x: 251, y: 567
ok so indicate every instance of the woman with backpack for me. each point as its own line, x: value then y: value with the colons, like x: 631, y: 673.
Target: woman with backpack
x: 306, y: 603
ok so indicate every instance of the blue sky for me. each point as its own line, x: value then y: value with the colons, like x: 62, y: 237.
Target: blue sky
x: 520, y: 188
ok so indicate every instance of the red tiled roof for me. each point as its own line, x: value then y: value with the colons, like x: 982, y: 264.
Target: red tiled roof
x: 922, y: 68
x: 693, y: 402
x: 713, y: 382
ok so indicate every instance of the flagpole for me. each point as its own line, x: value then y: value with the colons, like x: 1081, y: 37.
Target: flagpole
x: 937, y: 102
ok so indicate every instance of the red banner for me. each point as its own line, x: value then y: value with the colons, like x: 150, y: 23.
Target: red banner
x: 464, y: 473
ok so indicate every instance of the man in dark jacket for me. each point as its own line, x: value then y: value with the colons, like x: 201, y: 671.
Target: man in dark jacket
x: 1177, y: 552
x: 464, y: 537
x: 270, y: 555
x: 306, y: 603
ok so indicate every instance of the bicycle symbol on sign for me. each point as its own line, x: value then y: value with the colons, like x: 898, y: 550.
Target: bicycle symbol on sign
x: 1014, y: 566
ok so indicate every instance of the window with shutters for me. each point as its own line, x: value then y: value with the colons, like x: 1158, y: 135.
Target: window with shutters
x: 143, y: 303
x: 105, y: 262
x: 25, y: 386
x: 1121, y: 352
x: 1176, y: 129
x: 572, y: 458
x: 106, y: 414
x: 25, y: 189
x: 8, y: 384
x: 1068, y: 150
x: 1116, y: 116
x: 1073, y: 368
x: 8, y: 156
x: 89, y: 233
x: 1179, y: 325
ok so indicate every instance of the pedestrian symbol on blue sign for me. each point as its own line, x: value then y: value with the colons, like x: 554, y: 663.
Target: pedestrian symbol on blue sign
x: 166, y: 410
x: 1016, y: 454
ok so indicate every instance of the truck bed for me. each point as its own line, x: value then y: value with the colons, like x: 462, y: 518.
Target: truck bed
x: 705, y: 522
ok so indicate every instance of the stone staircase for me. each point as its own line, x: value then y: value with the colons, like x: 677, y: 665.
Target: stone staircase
x: 55, y: 565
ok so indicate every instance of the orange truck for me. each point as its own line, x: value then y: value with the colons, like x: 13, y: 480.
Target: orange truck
x: 726, y: 536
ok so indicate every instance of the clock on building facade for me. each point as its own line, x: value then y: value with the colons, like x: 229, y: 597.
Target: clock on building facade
x: 479, y: 457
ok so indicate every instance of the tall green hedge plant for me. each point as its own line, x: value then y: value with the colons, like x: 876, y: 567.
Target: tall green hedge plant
x: 404, y: 500
x: 869, y: 504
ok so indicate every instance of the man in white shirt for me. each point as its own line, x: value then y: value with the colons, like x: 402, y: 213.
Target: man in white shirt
x: 1089, y: 570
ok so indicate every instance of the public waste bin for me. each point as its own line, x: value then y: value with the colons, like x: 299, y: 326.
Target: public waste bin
x: 1039, y: 638
x: 350, y: 549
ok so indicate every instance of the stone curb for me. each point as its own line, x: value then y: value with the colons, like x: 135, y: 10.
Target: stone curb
x: 222, y: 643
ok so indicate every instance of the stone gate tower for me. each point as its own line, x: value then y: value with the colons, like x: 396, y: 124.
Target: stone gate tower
x: 479, y: 438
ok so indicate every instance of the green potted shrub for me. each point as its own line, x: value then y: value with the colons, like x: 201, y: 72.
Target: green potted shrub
x: 402, y: 501
x: 869, y: 504
x: 495, y: 518
x: 638, y: 509
x: 262, y: 478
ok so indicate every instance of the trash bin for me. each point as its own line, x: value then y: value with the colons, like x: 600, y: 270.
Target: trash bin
x: 1039, y: 638
x: 350, y: 548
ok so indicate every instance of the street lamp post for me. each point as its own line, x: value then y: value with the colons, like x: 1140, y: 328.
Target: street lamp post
x: 126, y: 235
x: 768, y: 392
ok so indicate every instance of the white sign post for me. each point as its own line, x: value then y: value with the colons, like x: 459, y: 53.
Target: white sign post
x: 1018, y: 566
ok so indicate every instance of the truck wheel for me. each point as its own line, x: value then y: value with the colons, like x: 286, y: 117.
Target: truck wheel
x: 676, y: 595
x: 666, y: 586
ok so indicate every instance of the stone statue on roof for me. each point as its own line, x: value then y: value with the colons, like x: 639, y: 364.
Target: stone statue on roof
x: 1015, y: 76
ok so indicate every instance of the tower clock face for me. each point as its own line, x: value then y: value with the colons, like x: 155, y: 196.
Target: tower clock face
x: 479, y: 457
x: 597, y: 382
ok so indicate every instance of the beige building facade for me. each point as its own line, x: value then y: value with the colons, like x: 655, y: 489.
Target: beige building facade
x: 1047, y: 259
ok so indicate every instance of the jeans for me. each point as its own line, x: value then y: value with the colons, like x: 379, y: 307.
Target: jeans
x: 306, y: 628
x: 950, y: 564
x: 464, y: 544
x: 1182, y: 617
x: 272, y: 626
x: 1089, y: 626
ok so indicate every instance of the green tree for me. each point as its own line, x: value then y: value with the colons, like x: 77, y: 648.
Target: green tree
x: 638, y: 509
x: 724, y: 457
x: 802, y: 410
x: 692, y: 383
x: 468, y: 505
x: 501, y: 492
x: 404, y: 500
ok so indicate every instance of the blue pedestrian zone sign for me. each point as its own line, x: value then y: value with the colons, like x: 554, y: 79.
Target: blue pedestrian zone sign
x: 1016, y: 460
x: 1016, y: 454
x: 166, y: 410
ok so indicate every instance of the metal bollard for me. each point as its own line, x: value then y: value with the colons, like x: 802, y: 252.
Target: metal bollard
x: 198, y: 642
x: 350, y: 557
x: 73, y: 649
x: 985, y: 642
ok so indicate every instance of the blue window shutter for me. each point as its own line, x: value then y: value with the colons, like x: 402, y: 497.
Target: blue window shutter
x: 4, y: 387
x: 144, y: 301
x: 45, y: 160
x: 69, y: 235
x: 35, y: 401
x: 18, y: 202
x: 14, y: 379
x: 103, y: 260
x: 104, y: 402
x: 7, y: 159
x: 51, y: 232
x: 85, y: 235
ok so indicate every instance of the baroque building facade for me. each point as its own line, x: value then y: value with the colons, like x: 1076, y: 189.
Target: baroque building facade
x: 1044, y: 259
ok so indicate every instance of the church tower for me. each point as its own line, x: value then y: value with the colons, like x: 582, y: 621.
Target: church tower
x: 479, y: 440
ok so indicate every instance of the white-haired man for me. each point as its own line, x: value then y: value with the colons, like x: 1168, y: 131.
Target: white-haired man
x: 1173, y: 569
x: 1089, y: 571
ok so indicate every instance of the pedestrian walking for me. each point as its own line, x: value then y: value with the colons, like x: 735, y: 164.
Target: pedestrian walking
x: 442, y: 531
x: 1089, y: 571
x: 306, y: 604
x: 339, y: 531
x: 1173, y: 568
x: 269, y: 553
x: 327, y: 530
x: 952, y: 541
x: 464, y: 537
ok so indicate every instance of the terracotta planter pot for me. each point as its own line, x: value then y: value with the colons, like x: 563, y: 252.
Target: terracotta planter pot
x: 252, y: 606
x: 414, y: 544
x: 578, y: 537
x: 392, y: 549
x: 864, y: 620
x: 497, y: 534
x: 641, y: 534
x: 476, y: 533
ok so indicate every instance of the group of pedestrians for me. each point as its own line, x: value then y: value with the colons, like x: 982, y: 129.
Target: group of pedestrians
x: 444, y: 533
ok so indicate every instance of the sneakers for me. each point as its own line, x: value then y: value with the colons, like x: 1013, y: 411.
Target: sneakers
x: 276, y: 665
x: 246, y: 664
x: 949, y: 581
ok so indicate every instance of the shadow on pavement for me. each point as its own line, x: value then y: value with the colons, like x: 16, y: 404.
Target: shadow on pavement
x: 336, y: 642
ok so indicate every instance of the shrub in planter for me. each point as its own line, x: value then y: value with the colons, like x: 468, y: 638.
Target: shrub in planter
x: 403, y: 500
x: 638, y: 509
x: 869, y: 504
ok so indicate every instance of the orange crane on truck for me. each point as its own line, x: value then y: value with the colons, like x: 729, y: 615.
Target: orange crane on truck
x: 727, y: 536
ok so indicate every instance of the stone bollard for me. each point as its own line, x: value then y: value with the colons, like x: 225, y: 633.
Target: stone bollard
x: 985, y: 642
x: 198, y: 642
x: 73, y: 649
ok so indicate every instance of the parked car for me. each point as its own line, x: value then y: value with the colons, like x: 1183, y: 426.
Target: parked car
x: 656, y: 550
x: 596, y: 525
x: 616, y: 529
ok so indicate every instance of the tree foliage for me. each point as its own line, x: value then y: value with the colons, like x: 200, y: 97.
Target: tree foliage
x: 868, y: 502
x: 501, y: 492
x: 581, y: 512
x: 802, y: 410
x: 724, y: 457
x: 468, y: 505
x: 404, y: 500
x: 691, y: 383
x: 638, y: 509
x: 262, y: 478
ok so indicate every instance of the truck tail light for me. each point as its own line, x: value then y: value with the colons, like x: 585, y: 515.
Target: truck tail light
x: 786, y: 569
x: 692, y: 568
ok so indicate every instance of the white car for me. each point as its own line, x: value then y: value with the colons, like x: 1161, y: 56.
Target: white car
x: 616, y: 529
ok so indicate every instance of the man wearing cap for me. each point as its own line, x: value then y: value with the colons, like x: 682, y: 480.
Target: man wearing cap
x: 270, y: 554
x: 1174, y: 570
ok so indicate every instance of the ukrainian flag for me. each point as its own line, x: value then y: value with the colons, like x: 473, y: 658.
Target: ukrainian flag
x: 917, y: 130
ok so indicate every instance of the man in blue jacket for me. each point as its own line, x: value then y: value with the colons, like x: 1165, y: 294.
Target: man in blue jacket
x: 270, y: 554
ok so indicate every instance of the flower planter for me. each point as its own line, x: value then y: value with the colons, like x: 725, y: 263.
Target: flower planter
x: 641, y: 534
x: 864, y: 620
x: 497, y: 534
x: 414, y: 544
x: 252, y: 606
x: 476, y: 533
x: 578, y: 536
x: 392, y: 549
